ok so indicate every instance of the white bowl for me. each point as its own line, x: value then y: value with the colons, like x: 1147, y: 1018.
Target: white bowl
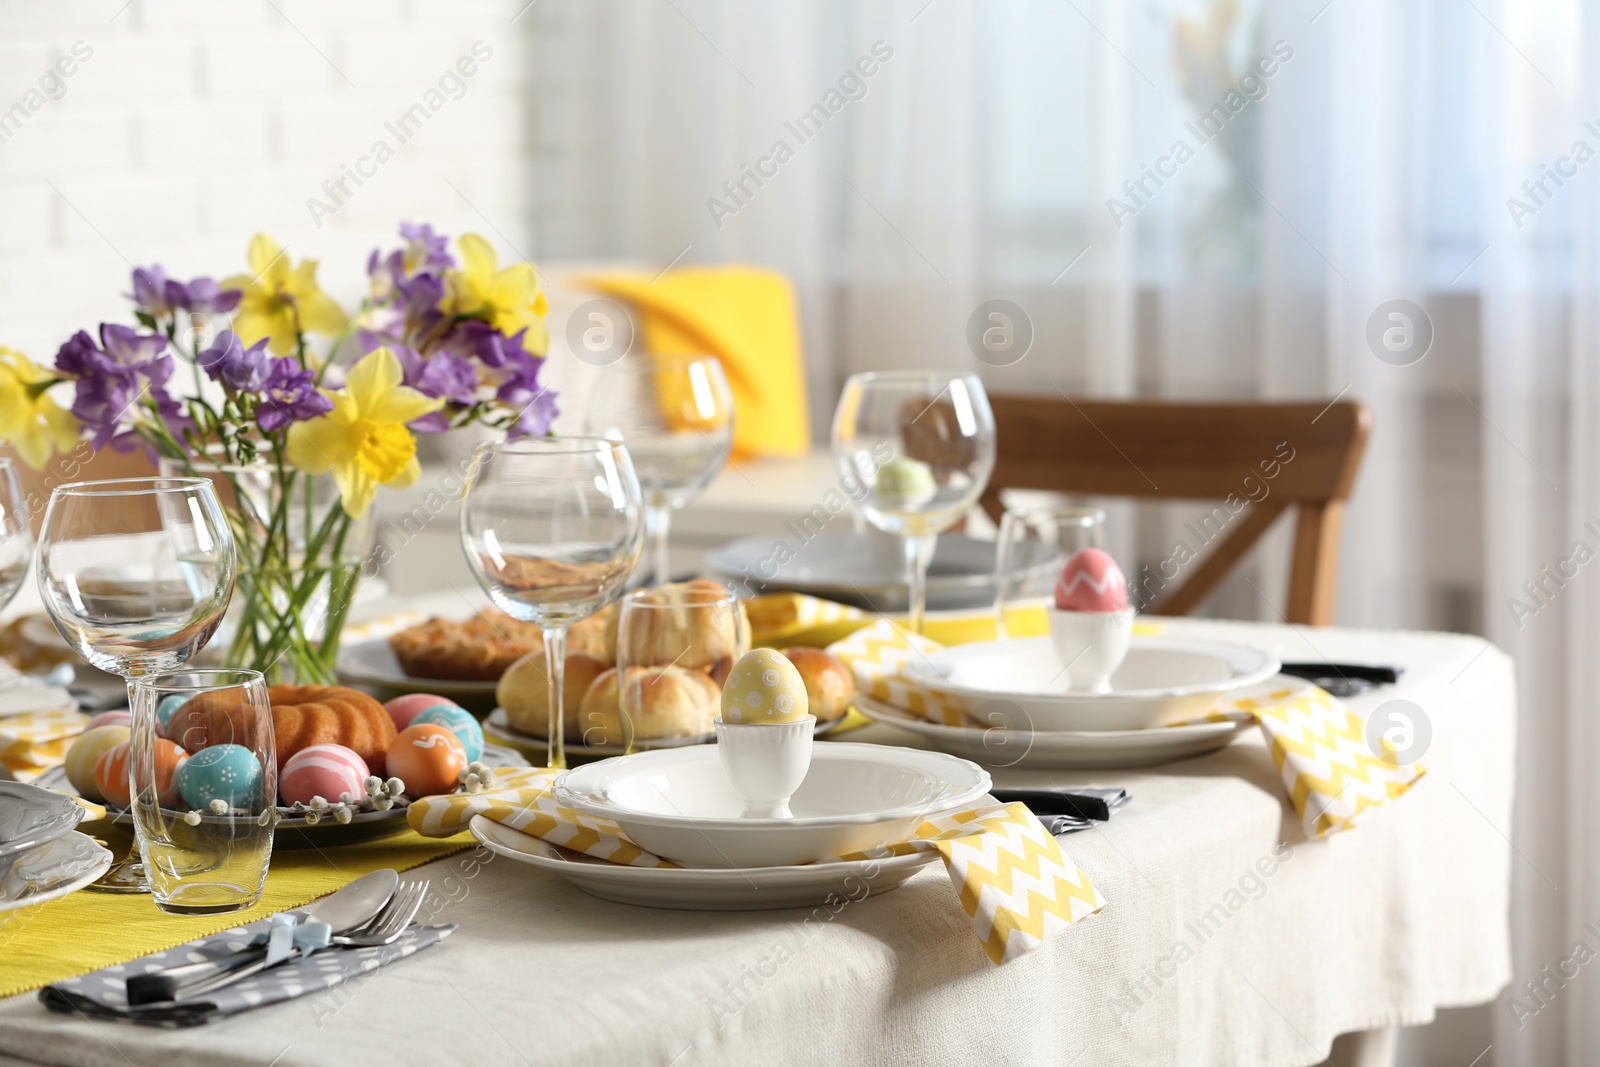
x: 1163, y: 680
x: 678, y: 804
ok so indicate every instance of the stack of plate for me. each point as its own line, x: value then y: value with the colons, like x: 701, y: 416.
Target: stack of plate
x: 1017, y: 689
x: 678, y: 804
x: 41, y: 856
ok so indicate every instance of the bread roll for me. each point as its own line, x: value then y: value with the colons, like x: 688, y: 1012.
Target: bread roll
x: 525, y: 694
x: 665, y: 702
x: 829, y: 684
x: 694, y: 632
x: 595, y: 636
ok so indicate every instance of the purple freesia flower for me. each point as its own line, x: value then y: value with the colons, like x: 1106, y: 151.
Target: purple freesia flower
x: 150, y: 289
x: 101, y: 402
x: 127, y: 351
x: 154, y: 292
x: 425, y: 250
x: 444, y: 374
x: 113, y: 378
x: 244, y: 370
x: 515, y: 373
x: 291, y: 396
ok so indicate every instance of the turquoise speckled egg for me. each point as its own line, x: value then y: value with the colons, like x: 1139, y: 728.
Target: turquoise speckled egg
x: 459, y: 722
x: 764, y: 687
x: 167, y: 708
x: 227, y: 772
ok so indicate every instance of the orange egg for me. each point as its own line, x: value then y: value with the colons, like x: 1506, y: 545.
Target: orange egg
x: 111, y: 772
x: 429, y: 759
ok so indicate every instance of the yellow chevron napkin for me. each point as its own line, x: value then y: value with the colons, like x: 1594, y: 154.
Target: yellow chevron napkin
x: 1318, y: 745
x: 34, y: 741
x: 1016, y: 885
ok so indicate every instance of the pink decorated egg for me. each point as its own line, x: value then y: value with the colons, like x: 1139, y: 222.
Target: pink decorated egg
x: 111, y: 718
x: 324, y: 771
x: 429, y: 759
x: 1091, y: 581
x: 111, y: 772
x: 404, y: 709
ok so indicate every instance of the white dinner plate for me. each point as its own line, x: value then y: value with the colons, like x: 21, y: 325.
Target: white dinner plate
x: 372, y: 663
x: 678, y: 803
x: 1006, y: 746
x: 52, y: 870
x: 497, y: 727
x: 1163, y: 680
x: 31, y: 815
x: 850, y: 568
x: 699, y: 889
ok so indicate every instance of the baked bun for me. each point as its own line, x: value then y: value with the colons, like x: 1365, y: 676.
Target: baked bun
x: 829, y: 684
x: 306, y: 715
x: 595, y: 636
x: 478, y: 650
x: 525, y: 694
x: 693, y: 634
x: 666, y: 702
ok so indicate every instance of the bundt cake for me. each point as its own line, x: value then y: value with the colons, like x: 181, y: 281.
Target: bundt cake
x: 307, y: 715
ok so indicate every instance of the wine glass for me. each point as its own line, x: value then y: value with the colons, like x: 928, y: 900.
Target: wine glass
x: 552, y: 528
x: 675, y: 413
x: 136, y: 574
x: 915, y: 449
x: 16, y: 533
x: 1033, y: 544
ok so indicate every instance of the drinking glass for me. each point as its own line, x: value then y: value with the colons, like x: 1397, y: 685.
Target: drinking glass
x: 205, y: 832
x: 552, y: 528
x: 675, y: 414
x: 16, y: 533
x: 665, y: 636
x: 1032, y: 545
x: 136, y: 574
x: 915, y: 449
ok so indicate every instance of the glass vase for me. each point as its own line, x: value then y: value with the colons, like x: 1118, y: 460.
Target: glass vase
x: 300, y: 561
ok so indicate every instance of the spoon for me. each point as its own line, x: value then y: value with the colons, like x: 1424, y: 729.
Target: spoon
x: 343, y: 910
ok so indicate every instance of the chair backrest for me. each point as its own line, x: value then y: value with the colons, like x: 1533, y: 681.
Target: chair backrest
x: 1255, y: 459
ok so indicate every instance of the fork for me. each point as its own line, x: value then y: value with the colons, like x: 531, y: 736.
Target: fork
x: 384, y: 928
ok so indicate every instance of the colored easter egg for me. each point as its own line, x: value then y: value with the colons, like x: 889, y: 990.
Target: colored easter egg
x: 111, y: 772
x: 110, y: 718
x: 86, y: 751
x: 230, y: 773
x: 1091, y: 581
x: 168, y: 706
x: 429, y: 759
x: 324, y: 771
x: 404, y: 710
x: 459, y: 722
x: 764, y: 687
x: 904, y: 483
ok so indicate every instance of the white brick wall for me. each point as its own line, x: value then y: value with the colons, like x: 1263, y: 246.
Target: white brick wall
x: 195, y: 124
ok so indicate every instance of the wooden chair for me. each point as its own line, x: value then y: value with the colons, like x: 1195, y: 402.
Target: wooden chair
x: 1258, y: 459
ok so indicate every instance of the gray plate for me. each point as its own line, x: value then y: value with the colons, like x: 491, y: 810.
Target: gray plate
x: 31, y: 816
x: 850, y: 569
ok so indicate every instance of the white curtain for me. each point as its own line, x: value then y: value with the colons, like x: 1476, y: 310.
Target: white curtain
x: 1373, y: 157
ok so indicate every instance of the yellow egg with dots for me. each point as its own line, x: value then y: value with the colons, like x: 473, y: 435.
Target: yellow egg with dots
x: 764, y: 687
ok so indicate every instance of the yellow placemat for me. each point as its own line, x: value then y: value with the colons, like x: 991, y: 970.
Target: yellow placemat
x: 86, y: 931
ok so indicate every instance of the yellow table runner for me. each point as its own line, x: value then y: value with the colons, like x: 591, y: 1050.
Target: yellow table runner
x: 85, y: 931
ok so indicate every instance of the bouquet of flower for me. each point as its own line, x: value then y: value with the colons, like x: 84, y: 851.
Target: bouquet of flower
x: 298, y: 411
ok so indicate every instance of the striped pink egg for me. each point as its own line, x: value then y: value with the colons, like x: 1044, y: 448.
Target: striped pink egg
x: 110, y: 718
x: 1091, y: 581
x: 323, y: 771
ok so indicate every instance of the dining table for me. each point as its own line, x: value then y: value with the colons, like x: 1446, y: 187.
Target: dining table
x: 1230, y: 937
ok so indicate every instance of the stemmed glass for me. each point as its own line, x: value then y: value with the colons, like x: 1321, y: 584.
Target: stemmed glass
x: 675, y: 413
x: 916, y: 449
x: 552, y: 528
x: 136, y: 574
x: 16, y: 533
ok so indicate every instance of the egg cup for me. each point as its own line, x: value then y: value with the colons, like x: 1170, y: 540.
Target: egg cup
x: 1091, y: 645
x: 766, y: 762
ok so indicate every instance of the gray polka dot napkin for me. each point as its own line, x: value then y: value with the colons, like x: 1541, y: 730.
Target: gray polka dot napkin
x: 103, y: 993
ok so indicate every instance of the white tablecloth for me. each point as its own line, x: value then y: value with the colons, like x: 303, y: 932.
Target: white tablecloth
x: 1230, y: 939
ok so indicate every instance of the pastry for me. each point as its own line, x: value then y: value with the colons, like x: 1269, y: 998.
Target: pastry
x: 524, y: 692
x: 215, y: 717
x: 694, y: 633
x: 829, y: 683
x: 664, y: 702
x: 595, y: 636
x: 308, y: 715
x: 478, y: 650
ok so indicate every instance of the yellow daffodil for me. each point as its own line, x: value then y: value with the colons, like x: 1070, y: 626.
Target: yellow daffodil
x: 509, y: 299
x: 30, y: 421
x: 364, y: 439
x: 279, y: 298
